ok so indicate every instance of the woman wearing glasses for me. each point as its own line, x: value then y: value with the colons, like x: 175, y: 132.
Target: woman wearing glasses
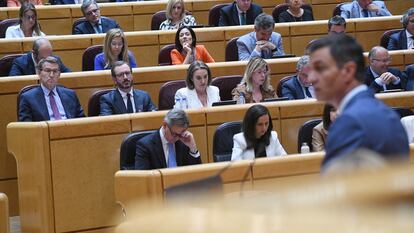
x: 28, y: 25
x: 257, y: 138
x: 176, y: 16
x: 115, y: 49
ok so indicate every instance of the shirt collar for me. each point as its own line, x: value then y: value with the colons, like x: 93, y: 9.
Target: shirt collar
x: 163, y: 139
x: 408, y: 34
x: 373, y: 72
x: 46, y: 91
x: 34, y: 60
x: 351, y: 95
x: 124, y: 94
x: 238, y: 10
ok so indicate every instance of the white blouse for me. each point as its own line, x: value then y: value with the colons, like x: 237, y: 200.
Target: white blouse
x: 240, y: 152
x: 16, y: 32
x: 213, y: 95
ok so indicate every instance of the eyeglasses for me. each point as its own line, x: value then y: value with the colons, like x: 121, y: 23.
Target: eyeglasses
x: 92, y: 12
x: 29, y: 17
x: 121, y: 75
x: 52, y: 72
x: 387, y: 60
x: 174, y: 134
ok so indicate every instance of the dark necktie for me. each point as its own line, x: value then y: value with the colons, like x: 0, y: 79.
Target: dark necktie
x: 98, y: 28
x: 308, y: 94
x: 54, y: 107
x: 129, y: 104
x: 365, y: 13
x: 243, y: 18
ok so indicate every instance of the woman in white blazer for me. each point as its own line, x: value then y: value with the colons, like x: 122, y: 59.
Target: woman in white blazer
x: 257, y: 138
x: 198, y: 93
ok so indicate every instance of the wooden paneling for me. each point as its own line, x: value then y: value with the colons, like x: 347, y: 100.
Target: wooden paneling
x: 9, y: 187
x: 4, y: 214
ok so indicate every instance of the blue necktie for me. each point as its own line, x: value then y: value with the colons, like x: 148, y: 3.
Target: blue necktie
x: 308, y: 94
x: 171, y: 156
x: 365, y: 13
x: 243, y: 18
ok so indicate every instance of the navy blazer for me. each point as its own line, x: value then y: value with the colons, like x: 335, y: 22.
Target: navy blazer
x: 61, y: 2
x: 398, y: 41
x: 32, y: 105
x: 112, y: 103
x: 366, y: 123
x: 410, y: 78
x: 369, y: 80
x: 24, y: 65
x: 292, y: 89
x: 87, y: 28
x: 150, y: 154
x: 229, y: 16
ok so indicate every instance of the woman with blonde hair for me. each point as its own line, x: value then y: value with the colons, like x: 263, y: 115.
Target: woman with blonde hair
x: 115, y: 49
x: 28, y: 25
x: 255, y: 85
x: 176, y: 16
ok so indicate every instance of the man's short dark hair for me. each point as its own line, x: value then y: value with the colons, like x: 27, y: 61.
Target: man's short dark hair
x: 343, y: 48
x: 48, y: 59
x: 116, y: 64
x: 336, y: 20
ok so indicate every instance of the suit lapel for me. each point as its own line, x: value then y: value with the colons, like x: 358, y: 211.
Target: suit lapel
x: 235, y: 14
x: 65, y: 99
x: 30, y: 64
x: 89, y: 27
x: 299, y: 89
x: 119, y: 102
x: 179, y: 152
x: 403, y: 39
x: 42, y: 102
x: 136, y: 103
x: 159, y: 151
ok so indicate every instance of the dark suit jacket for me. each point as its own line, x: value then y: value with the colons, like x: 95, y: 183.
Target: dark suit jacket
x: 366, y: 123
x: 87, y: 28
x: 410, y: 78
x: 150, y: 154
x: 112, y: 103
x: 32, y: 106
x: 24, y: 65
x: 230, y: 17
x: 61, y: 2
x: 397, y: 41
x: 369, y: 80
x: 292, y: 89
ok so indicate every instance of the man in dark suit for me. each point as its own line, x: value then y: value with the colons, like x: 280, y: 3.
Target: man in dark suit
x: 171, y: 146
x: 64, y: 2
x: 26, y: 64
x: 49, y: 101
x: 299, y: 86
x: 410, y: 78
x: 378, y: 76
x: 94, y: 22
x: 124, y: 99
x: 404, y: 39
x: 337, y: 74
x: 240, y: 12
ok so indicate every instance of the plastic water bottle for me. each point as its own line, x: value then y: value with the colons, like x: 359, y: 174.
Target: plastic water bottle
x: 184, y: 103
x: 177, y: 103
x: 304, y: 148
x: 241, y: 99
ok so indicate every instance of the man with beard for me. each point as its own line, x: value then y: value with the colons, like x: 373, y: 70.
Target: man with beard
x: 124, y: 99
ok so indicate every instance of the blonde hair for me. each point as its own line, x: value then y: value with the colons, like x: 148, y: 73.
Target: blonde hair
x: 109, y: 57
x: 253, y: 65
x: 170, y: 6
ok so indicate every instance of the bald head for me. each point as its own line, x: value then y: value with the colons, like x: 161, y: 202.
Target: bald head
x: 379, y: 59
x: 42, y: 48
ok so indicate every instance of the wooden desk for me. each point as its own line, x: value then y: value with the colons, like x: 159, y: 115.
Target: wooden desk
x: 4, y: 214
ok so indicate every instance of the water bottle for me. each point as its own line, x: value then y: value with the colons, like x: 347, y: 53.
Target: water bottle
x: 304, y: 148
x: 177, y: 103
x: 241, y: 99
x: 184, y: 103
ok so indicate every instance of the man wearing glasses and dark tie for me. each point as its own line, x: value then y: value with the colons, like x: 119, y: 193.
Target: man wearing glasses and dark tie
x: 94, y: 23
x: 49, y: 101
x: 170, y: 146
x: 124, y: 99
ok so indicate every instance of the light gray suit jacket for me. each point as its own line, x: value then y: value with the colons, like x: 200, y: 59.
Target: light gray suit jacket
x: 353, y: 10
x: 247, y: 43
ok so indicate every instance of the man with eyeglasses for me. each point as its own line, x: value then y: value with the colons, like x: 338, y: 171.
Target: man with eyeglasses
x: 124, y: 99
x: 378, y: 76
x: 403, y: 39
x: 49, y: 101
x: 94, y: 23
x: 170, y: 146
x: 26, y: 64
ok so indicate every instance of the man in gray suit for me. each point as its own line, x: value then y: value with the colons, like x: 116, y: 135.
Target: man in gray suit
x: 364, y: 9
x: 263, y: 42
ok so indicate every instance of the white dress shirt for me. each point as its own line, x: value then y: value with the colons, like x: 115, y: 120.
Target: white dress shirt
x: 16, y: 32
x: 125, y: 98
x: 410, y: 40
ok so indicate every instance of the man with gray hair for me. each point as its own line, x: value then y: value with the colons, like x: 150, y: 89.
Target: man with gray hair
x: 170, y: 146
x: 379, y: 76
x: 26, y: 64
x: 94, y: 23
x: 404, y: 39
x: 299, y: 86
x: 263, y: 42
